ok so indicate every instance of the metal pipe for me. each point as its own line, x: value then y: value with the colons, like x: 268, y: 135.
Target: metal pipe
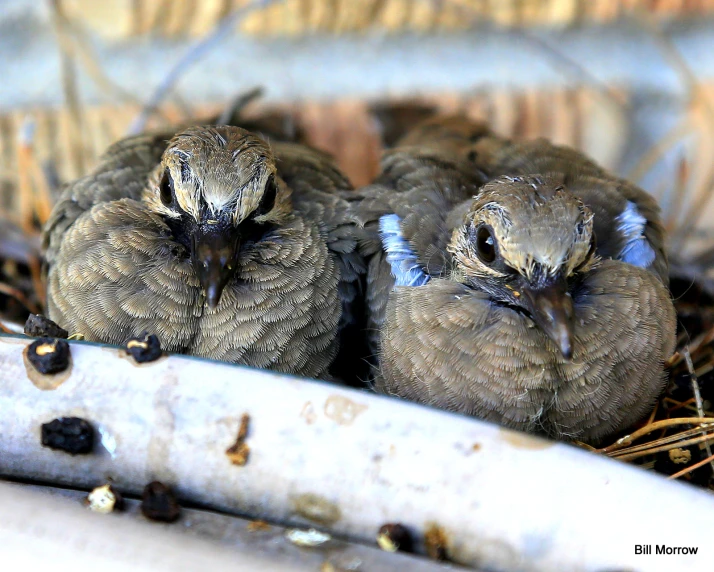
x: 44, y: 527
x: 346, y: 461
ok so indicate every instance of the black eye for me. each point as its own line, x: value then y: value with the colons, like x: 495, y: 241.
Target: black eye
x: 166, y: 188
x: 267, y: 202
x: 485, y: 245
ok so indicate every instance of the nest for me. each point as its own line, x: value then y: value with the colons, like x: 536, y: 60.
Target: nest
x: 675, y: 440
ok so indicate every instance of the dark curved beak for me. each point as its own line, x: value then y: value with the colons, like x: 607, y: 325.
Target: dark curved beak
x: 214, y: 255
x: 552, y: 310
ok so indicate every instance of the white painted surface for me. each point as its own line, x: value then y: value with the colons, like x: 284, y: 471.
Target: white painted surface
x: 506, y: 501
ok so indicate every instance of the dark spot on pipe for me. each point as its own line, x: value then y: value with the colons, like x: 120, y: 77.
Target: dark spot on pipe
x: 145, y: 348
x: 395, y: 537
x: 159, y: 503
x: 435, y: 542
x: 69, y: 434
x: 48, y: 355
x: 239, y: 451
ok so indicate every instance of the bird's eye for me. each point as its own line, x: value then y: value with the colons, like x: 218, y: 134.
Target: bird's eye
x: 485, y: 245
x: 267, y: 202
x: 166, y: 188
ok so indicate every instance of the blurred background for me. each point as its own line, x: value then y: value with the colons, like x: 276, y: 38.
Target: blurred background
x: 627, y: 81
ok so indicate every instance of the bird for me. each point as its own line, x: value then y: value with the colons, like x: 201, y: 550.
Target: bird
x: 223, y: 244
x: 517, y: 282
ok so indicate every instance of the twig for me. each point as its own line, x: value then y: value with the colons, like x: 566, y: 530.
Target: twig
x: 574, y: 67
x: 19, y: 296
x: 658, y: 150
x: 678, y: 404
x: 628, y: 439
x: 686, y: 470
x: 570, y: 66
x: 696, y: 95
x: 686, y: 443
x: 237, y: 105
x: 35, y: 267
x: 75, y: 41
x: 697, y: 395
x: 52, y: 177
x: 652, y: 416
x: 194, y: 53
x: 675, y: 438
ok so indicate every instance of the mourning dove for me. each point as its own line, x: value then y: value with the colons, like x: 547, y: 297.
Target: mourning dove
x: 221, y: 244
x: 536, y: 300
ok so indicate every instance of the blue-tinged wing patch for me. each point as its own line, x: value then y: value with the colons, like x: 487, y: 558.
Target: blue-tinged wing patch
x: 637, y: 251
x: 405, y: 268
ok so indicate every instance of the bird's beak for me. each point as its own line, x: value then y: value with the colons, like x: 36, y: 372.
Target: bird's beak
x: 214, y: 254
x: 551, y: 308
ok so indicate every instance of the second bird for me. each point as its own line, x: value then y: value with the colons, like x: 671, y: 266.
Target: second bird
x: 517, y: 282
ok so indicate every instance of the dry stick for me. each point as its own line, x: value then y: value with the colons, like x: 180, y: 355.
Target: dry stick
x: 570, y: 66
x: 627, y: 439
x: 194, y: 53
x: 73, y: 39
x: 6, y: 330
x: 237, y: 105
x: 678, y: 404
x: 652, y: 416
x: 19, y: 296
x: 686, y: 443
x: 676, y: 438
x: 40, y: 201
x: 35, y: 265
x: 694, y: 213
x: 692, y: 468
x: 697, y: 395
x: 676, y: 191
x: 575, y: 68
x: 657, y: 151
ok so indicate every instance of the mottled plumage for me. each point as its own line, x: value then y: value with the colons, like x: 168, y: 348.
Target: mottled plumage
x: 221, y: 244
x: 531, y: 300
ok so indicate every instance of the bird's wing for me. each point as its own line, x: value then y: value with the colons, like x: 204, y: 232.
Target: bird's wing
x: 115, y: 276
x: 324, y: 196
x: 627, y: 222
x: 121, y: 173
x: 627, y: 219
x: 440, y: 143
x: 408, y: 217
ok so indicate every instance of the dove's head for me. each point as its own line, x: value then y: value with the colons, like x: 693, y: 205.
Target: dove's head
x: 218, y: 189
x: 522, y: 241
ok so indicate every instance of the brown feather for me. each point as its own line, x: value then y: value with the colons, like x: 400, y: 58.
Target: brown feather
x: 464, y: 341
x: 116, y: 267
